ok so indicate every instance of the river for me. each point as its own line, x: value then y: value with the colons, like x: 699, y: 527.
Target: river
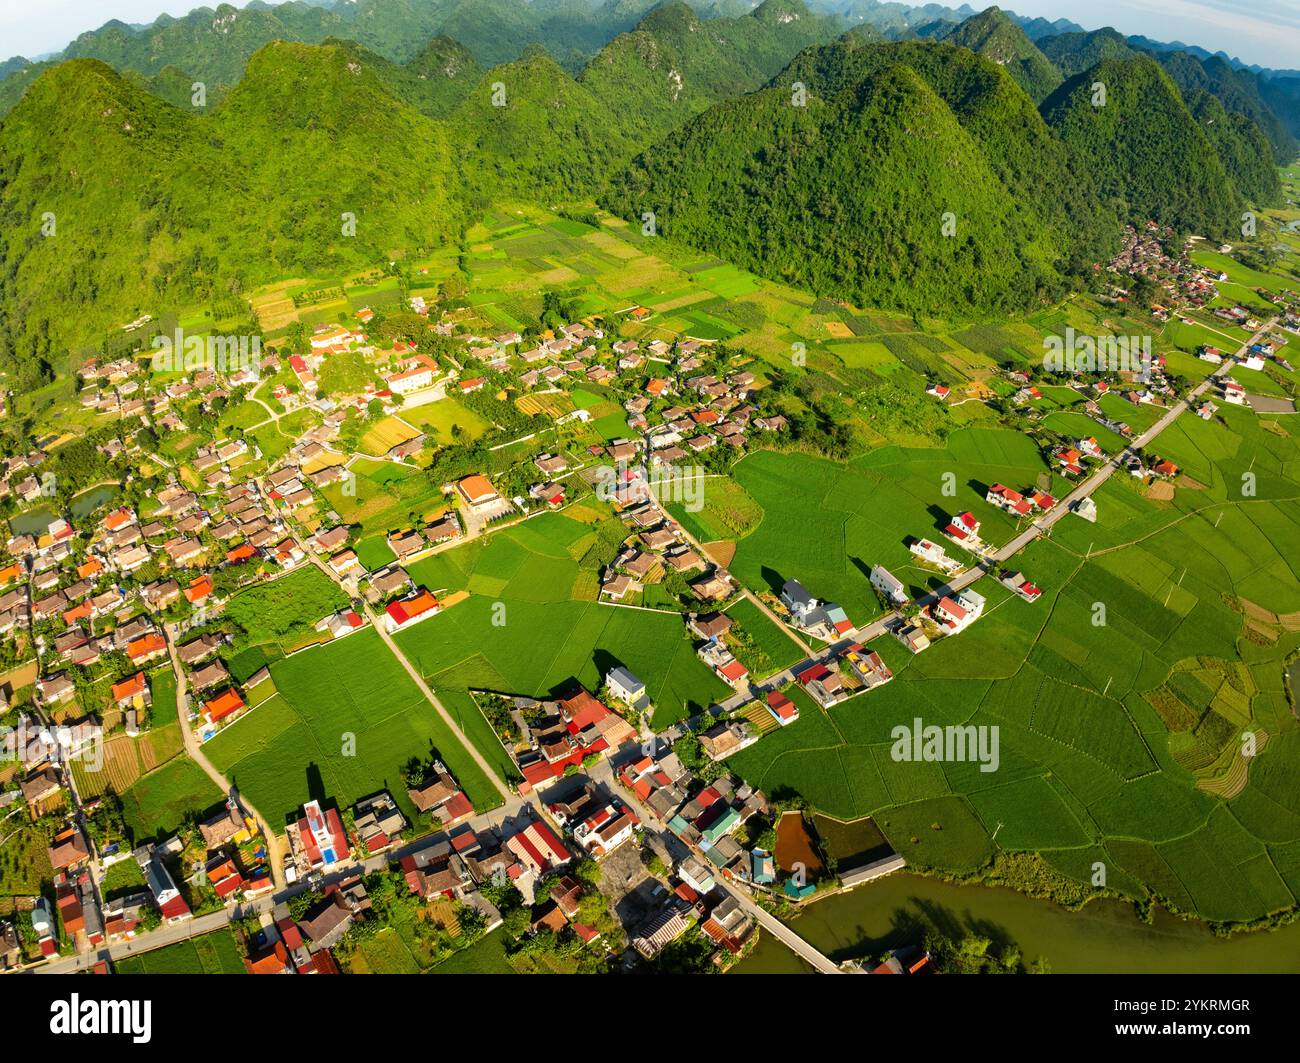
x: 1104, y: 937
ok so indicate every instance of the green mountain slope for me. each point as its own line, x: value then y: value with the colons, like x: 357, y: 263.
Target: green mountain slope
x: 435, y: 82
x: 674, y: 64
x: 16, y: 82
x: 1282, y: 94
x: 1025, y: 154
x: 993, y: 35
x: 1243, y: 149
x: 531, y: 130
x: 846, y: 196
x: 1073, y: 53
x: 157, y: 206
x: 1237, y: 90
x: 1143, y: 151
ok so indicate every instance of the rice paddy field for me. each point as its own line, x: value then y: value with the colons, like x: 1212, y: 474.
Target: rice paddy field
x: 531, y: 623
x: 215, y: 953
x: 518, y: 249
x: 827, y: 523
x: 344, y: 719
x: 446, y: 419
x: 1120, y: 743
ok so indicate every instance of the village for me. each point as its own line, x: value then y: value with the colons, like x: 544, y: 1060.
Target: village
x: 617, y: 840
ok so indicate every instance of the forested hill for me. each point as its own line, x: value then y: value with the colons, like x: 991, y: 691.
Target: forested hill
x: 847, y: 195
x: 1142, y: 150
x: 993, y: 35
x: 161, y: 202
x: 157, y: 206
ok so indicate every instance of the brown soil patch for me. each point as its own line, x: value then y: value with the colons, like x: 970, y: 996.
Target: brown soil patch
x: 1257, y: 612
x: 795, y: 845
x: 1260, y: 634
x: 721, y: 551
x: 1161, y: 491
x: 839, y: 330
x: 1188, y: 484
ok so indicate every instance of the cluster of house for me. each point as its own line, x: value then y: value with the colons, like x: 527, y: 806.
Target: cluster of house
x: 710, y: 410
x: 1237, y: 315
x: 21, y: 476
x: 303, y: 946
x: 706, y: 818
x: 233, y: 864
x: 563, y: 734
x: 656, y: 543
x: 90, y: 595
x: 1144, y: 254
x: 113, y: 388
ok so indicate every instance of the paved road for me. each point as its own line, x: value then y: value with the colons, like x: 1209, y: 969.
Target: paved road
x: 194, y: 748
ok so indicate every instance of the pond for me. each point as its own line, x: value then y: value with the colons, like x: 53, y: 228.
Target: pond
x: 1104, y: 937
x: 35, y: 521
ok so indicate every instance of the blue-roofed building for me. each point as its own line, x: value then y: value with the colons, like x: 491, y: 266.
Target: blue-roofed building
x: 798, y: 892
x: 764, y: 868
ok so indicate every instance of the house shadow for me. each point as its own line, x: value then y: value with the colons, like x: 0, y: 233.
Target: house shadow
x: 316, y: 784
x: 605, y: 663
x: 565, y: 689
x: 774, y: 580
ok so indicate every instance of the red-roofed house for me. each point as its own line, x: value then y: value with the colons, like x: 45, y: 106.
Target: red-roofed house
x: 537, y: 848
x: 223, y: 705
x: 418, y: 607
x: 783, y: 710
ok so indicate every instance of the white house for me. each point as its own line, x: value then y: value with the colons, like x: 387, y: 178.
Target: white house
x: 888, y: 584
x: 957, y: 615
x: 805, y: 611
x: 624, y: 686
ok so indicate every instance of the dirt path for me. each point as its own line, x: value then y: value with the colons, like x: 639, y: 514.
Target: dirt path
x: 196, y: 754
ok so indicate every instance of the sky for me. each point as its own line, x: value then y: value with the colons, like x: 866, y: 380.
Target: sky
x: 1266, y: 32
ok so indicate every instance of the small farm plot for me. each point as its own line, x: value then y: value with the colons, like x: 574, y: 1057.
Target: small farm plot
x: 345, y: 720
x: 532, y: 616
x: 215, y: 953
